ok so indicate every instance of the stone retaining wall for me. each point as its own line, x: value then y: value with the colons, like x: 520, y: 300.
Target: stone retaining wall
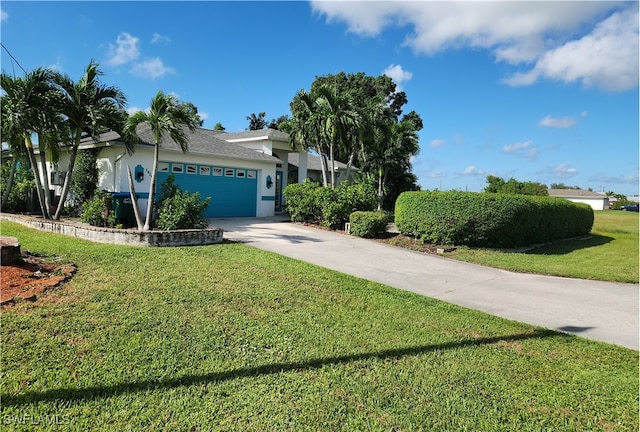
x: 190, y: 237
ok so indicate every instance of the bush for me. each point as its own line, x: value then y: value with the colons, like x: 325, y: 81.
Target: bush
x: 368, y: 224
x: 98, y: 211
x: 331, y: 207
x: 178, y: 209
x: 490, y: 220
x: 22, y: 184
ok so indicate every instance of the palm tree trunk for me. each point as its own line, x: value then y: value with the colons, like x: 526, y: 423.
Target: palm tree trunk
x: 45, y: 181
x: 12, y: 173
x: 134, y: 200
x: 333, y: 168
x: 36, y: 176
x: 380, y: 189
x: 67, y: 178
x: 148, y: 223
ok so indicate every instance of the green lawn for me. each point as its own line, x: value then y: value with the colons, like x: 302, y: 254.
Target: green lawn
x: 610, y: 253
x: 229, y: 337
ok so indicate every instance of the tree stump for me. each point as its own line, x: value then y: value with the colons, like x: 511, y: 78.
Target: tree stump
x: 10, y: 251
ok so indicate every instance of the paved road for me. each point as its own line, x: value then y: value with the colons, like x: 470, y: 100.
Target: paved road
x: 601, y: 311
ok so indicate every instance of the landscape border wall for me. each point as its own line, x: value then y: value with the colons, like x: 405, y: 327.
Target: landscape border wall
x: 130, y: 237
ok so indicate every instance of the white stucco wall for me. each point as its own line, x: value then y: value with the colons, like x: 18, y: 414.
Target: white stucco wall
x: 595, y: 203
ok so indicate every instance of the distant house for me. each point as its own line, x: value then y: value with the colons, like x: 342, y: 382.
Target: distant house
x: 595, y: 200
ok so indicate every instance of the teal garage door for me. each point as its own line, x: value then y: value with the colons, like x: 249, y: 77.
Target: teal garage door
x: 232, y: 190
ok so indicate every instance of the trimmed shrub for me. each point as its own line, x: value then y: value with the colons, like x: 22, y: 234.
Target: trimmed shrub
x: 368, y: 224
x: 490, y: 220
x: 331, y: 207
x: 183, y: 210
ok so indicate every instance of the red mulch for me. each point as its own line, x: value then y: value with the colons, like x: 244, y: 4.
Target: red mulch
x: 32, y: 277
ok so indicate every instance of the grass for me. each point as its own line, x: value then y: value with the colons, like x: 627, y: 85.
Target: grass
x: 228, y: 337
x: 609, y: 254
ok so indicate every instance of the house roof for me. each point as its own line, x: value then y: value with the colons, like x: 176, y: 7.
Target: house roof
x: 270, y: 134
x: 200, y: 141
x: 314, y: 162
x: 574, y: 193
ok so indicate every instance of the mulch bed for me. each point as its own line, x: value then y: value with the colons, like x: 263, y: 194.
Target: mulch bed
x: 30, y: 278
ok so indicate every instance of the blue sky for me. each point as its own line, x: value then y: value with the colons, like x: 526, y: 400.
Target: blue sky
x: 539, y: 91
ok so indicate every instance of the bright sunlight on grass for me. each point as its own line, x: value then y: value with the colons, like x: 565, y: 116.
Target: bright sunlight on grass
x: 228, y: 337
x: 609, y: 254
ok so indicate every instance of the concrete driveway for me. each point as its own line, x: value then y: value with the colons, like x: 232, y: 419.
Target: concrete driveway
x: 595, y: 310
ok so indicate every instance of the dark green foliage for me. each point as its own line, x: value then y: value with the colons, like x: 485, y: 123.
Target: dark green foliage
x: 98, y: 211
x: 179, y: 209
x: 513, y: 186
x: 22, y: 184
x: 490, y: 220
x: 368, y: 224
x: 85, y: 175
x: 309, y: 202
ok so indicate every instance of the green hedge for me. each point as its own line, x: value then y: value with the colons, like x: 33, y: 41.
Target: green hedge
x: 368, y: 224
x: 310, y: 202
x: 490, y: 220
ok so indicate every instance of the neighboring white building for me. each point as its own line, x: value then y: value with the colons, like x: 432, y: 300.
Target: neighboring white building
x: 314, y: 169
x: 595, y: 200
x: 243, y: 173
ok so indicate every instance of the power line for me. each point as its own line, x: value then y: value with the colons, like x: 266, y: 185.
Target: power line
x: 14, y: 59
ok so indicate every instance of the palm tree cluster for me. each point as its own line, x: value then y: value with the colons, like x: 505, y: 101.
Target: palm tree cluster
x: 51, y: 109
x: 355, y: 119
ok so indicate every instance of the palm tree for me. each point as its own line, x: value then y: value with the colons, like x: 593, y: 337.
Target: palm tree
x: 89, y: 107
x: 166, y: 116
x: 30, y: 109
x: 304, y: 127
x: 338, y: 119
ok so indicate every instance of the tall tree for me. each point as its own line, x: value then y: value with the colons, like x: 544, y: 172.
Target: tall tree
x: 30, y: 108
x: 219, y: 127
x: 167, y: 116
x: 89, y: 107
x: 339, y: 119
x: 257, y: 122
x: 305, y: 127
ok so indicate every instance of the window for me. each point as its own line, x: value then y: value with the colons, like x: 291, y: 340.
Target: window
x: 240, y: 173
x: 228, y: 172
x: 163, y: 166
x: 217, y: 171
x: 177, y: 168
x: 205, y: 170
x: 251, y: 174
x: 192, y: 169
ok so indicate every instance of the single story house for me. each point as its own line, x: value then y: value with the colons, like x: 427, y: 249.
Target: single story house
x: 243, y: 173
x: 595, y: 200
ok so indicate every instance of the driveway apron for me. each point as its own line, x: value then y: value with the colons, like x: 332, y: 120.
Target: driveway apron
x: 602, y: 311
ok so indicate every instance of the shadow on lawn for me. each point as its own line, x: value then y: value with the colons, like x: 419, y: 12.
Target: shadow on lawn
x: 567, y: 246
x: 89, y: 393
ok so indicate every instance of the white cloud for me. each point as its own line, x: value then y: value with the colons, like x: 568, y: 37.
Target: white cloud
x: 620, y: 179
x: 557, y: 122
x: 472, y: 171
x: 158, y: 38
x: 125, y: 51
x: 524, y: 149
x: 397, y: 74
x: 566, y: 41
x: 606, y: 58
x: 3, y: 16
x: 562, y: 171
x: 152, y: 68
x: 437, y: 143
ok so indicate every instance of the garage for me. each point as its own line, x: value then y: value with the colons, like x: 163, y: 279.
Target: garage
x: 233, y: 190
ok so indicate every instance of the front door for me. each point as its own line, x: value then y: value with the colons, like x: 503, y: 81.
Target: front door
x: 278, y: 191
